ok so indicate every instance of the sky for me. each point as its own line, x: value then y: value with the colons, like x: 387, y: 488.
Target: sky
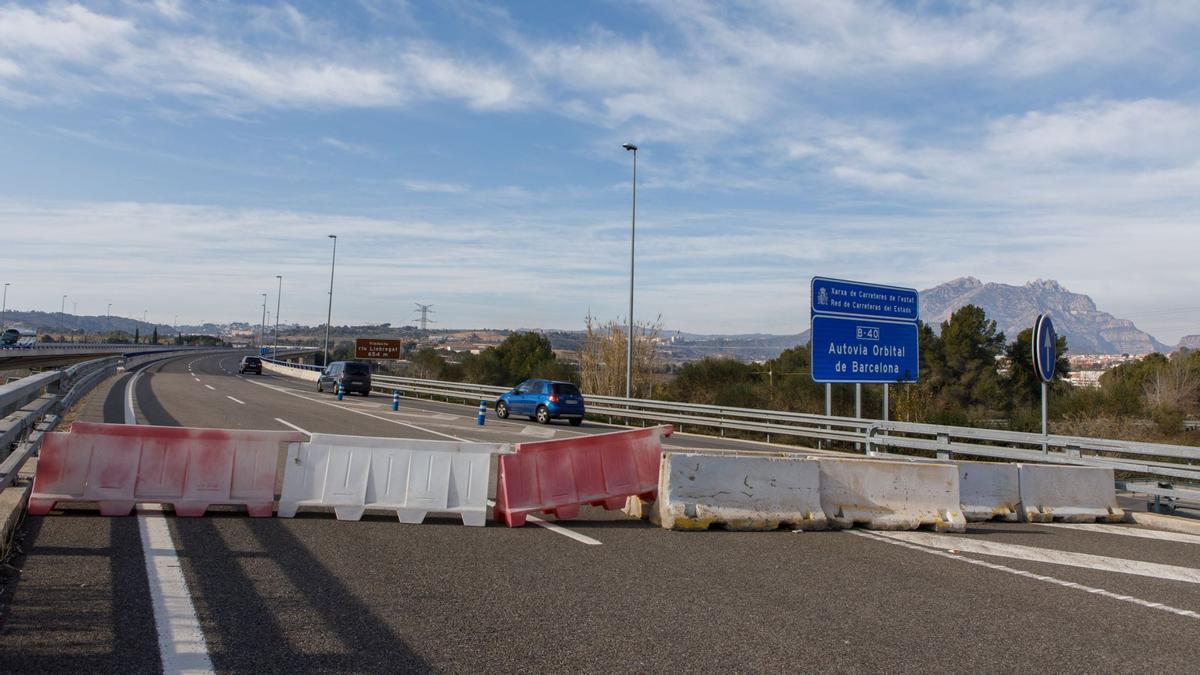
x: 174, y: 157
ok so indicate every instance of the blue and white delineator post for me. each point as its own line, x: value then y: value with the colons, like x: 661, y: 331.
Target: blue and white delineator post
x: 395, y: 400
x: 341, y: 391
x: 482, y: 413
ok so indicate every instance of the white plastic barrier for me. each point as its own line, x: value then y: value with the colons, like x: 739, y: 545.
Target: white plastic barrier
x: 988, y: 490
x: 738, y: 492
x: 885, y: 495
x: 412, y: 477
x: 1074, y: 494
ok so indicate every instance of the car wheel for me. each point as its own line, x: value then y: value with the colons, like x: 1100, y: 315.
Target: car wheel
x: 543, y: 415
x: 319, y: 387
x: 576, y: 421
x: 502, y: 410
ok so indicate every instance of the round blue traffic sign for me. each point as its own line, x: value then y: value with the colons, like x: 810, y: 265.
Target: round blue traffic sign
x: 1045, y: 346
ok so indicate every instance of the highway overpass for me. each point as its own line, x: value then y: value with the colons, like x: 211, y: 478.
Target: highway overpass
x: 603, y: 592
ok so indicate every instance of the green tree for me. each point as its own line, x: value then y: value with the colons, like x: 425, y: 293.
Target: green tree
x: 717, y: 381
x: 966, y: 370
x: 427, y: 364
x: 137, y: 336
x: 154, y: 339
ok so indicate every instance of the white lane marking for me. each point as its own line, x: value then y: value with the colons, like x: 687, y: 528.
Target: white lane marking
x: 1030, y: 575
x: 1043, y: 555
x: 211, y: 387
x: 181, y: 644
x: 196, y: 379
x: 360, y: 412
x: 235, y: 400
x: 130, y: 415
x: 1128, y: 532
x: 289, y: 424
x: 558, y: 529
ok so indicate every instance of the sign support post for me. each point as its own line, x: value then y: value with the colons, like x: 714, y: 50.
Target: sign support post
x: 885, y: 401
x: 1045, y: 357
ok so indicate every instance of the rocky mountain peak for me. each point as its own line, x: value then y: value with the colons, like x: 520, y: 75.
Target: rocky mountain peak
x: 1014, y: 308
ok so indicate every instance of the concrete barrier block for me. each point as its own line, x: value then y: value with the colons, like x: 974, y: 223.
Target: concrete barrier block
x: 885, y: 495
x: 696, y: 491
x: 411, y: 477
x: 988, y: 490
x: 1073, y: 494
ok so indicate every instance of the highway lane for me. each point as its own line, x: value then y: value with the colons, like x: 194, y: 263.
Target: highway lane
x: 276, y: 595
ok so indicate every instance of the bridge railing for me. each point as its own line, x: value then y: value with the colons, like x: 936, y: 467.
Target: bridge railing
x: 32, y: 405
x: 1165, y: 464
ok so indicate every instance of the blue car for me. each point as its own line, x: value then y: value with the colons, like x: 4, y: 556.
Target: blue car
x: 543, y: 400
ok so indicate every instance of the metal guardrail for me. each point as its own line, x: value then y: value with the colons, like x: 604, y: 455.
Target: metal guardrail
x: 32, y: 405
x: 876, y: 437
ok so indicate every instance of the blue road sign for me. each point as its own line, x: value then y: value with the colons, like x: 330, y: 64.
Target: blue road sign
x: 868, y: 301
x: 1045, y: 348
x: 863, y: 333
x: 863, y: 350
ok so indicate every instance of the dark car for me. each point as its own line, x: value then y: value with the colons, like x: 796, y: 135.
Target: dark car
x: 10, y: 337
x: 543, y: 400
x: 250, y: 364
x: 354, y: 376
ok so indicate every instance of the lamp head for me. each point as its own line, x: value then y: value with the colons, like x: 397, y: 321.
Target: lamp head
x: 630, y: 146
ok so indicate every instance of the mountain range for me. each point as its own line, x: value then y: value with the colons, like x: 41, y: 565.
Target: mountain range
x: 1014, y: 308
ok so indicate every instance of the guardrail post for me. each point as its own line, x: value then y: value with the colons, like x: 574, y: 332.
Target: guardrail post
x: 943, y: 441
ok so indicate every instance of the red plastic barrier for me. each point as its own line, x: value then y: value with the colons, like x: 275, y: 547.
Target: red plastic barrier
x: 118, y: 465
x: 560, y: 476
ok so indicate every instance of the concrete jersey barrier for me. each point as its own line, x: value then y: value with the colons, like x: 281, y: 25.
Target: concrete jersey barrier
x: 696, y: 491
x: 885, y: 495
x: 560, y: 476
x: 1075, y: 494
x: 118, y: 465
x: 988, y: 490
x: 411, y: 477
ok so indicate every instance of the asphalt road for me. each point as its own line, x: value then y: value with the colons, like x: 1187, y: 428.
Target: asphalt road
x: 312, y: 593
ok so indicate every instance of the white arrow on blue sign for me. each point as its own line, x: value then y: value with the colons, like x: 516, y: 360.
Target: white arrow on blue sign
x: 1045, y: 348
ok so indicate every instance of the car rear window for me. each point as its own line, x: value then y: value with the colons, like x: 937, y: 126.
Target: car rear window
x: 253, y: 360
x: 565, y: 389
x: 358, y: 369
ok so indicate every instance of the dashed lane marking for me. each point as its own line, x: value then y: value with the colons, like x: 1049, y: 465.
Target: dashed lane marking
x: 211, y: 387
x: 558, y: 529
x: 235, y: 400
x: 289, y: 424
x: 1028, y: 575
x: 1043, y: 555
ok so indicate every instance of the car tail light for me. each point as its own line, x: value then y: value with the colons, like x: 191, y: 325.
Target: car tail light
x: 553, y: 398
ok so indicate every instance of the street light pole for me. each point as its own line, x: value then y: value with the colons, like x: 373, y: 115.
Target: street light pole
x: 62, y: 317
x: 275, y: 346
x: 630, y: 147
x: 262, y: 328
x: 175, y: 327
x: 4, y: 306
x: 329, y: 315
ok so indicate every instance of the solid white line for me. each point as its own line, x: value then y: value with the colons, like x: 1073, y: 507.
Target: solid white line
x: 289, y: 424
x: 130, y: 415
x: 181, y: 644
x: 558, y: 529
x: 1129, y: 532
x: 235, y: 400
x: 1030, y: 575
x: 211, y: 387
x: 1043, y: 555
